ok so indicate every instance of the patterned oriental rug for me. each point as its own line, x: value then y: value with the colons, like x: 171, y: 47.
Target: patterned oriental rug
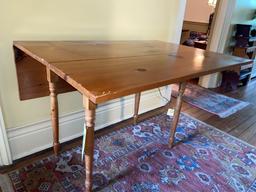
x: 138, y: 159
x: 210, y: 101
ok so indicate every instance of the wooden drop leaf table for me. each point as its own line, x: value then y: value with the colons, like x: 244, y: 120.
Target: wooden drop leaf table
x: 105, y: 70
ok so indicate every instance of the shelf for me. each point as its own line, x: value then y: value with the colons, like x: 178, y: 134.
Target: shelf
x: 244, y: 47
x: 250, y: 39
x: 248, y: 49
x: 244, y: 75
x: 253, y: 75
x: 251, y: 49
x: 246, y: 66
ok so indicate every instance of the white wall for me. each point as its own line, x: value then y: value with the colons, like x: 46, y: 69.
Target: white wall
x: 198, y: 11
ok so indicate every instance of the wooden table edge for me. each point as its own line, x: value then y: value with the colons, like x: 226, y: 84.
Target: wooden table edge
x: 121, y: 93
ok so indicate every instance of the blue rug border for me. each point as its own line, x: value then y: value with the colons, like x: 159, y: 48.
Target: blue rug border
x: 217, y: 129
x: 252, y: 187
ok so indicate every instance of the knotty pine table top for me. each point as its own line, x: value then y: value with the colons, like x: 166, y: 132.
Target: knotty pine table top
x: 105, y: 70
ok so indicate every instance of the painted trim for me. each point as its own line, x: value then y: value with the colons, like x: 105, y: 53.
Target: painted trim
x: 222, y: 25
x: 5, y: 154
x: 35, y: 137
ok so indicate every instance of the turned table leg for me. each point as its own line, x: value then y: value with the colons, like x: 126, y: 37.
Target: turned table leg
x: 52, y: 79
x: 90, y: 108
x: 182, y: 87
x: 136, y: 108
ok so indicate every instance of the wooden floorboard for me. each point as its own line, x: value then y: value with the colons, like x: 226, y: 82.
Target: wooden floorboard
x: 241, y: 125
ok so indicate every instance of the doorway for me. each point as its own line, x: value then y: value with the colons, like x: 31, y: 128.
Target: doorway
x: 216, y: 30
x: 197, y: 24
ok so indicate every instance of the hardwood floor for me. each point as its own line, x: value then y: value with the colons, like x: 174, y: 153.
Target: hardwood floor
x: 241, y: 125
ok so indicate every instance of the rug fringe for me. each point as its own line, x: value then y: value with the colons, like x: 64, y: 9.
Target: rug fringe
x: 5, y: 184
x: 226, y: 113
x: 234, y: 109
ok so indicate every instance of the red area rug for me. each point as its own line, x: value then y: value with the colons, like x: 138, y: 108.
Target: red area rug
x: 210, y: 101
x: 138, y: 159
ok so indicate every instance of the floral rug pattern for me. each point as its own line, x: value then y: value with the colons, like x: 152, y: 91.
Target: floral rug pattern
x: 138, y: 159
x: 210, y: 101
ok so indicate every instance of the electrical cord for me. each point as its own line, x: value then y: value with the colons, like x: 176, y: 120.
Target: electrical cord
x: 167, y: 100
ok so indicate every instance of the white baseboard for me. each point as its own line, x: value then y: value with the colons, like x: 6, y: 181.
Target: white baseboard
x: 32, y: 138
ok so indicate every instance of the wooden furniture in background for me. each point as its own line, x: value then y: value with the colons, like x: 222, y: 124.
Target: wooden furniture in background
x: 195, y: 26
x: 246, y: 72
x: 245, y: 46
x: 200, y: 44
x: 102, y: 71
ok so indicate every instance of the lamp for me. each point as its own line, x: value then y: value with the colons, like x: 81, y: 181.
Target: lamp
x: 212, y: 3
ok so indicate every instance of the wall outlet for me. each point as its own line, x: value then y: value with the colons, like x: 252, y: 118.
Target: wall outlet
x: 170, y: 112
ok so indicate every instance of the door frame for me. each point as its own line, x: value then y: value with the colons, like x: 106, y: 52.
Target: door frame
x: 176, y: 36
x: 219, y: 33
x: 223, y: 19
x: 5, y: 153
x: 220, y: 27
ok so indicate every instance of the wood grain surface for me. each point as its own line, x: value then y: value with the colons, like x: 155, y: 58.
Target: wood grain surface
x: 107, y: 70
x: 32, y: 78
